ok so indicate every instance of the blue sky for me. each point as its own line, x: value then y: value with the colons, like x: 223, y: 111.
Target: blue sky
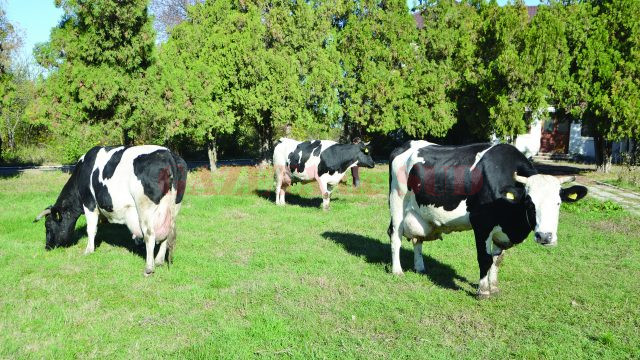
x: 35, y: 18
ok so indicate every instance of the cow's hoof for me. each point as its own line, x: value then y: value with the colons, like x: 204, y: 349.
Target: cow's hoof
x: 484, y: 295
x: 398, y: 272
x: 159, y: 262
x: 494, y: 291
x: 148, y: 272
x: 87, y: 252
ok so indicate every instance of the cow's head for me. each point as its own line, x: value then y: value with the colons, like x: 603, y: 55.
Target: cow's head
x: 542, y: 196
x: 59, y: 224
x: 364, y: 155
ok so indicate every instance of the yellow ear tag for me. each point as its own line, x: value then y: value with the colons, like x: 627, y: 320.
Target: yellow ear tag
x: 510, y: 196
x: 366, y: 151
x: 573, y: 196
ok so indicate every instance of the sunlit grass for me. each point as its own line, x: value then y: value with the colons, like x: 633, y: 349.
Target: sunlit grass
x: 254, y: 280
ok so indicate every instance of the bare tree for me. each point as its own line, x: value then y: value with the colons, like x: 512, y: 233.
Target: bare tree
x: 169, y: 13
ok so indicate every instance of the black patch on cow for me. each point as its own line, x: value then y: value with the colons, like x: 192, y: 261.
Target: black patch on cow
x: 338, y: 157
x: 103, y: 198
x: 110, y: 166
x: 83, y: 183
x: 299, y: 157
x: 157, y: 173
x: 181, y: 177
x: 444, y: 178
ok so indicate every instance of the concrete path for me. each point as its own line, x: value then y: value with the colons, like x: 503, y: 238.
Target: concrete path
x: 629, y: 200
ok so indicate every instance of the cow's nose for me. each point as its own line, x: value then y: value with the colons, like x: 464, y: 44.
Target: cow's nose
x: 544, y: 238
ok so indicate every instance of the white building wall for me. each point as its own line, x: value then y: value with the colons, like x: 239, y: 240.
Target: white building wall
x: 580, y: 145
x: 529, y: 143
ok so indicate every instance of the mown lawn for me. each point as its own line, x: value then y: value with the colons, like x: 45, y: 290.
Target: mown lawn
x: 254, y: 280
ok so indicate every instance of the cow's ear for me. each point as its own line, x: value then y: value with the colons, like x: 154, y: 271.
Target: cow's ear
x: 512, y: 194
x: 56, y: 214
x: 573, y: 193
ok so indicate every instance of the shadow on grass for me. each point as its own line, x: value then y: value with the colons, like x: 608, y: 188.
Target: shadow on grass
x: 292, y: 199
x: 561, y: 169
x: 376, y: 252
x: 112, y: 234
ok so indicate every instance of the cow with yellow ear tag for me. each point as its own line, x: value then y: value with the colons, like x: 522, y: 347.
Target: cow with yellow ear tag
x: 493, y: 190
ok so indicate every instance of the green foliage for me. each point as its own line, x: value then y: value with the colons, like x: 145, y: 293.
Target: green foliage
x: 97, y: 57
x: 389, y: 83
x: 594, y: 206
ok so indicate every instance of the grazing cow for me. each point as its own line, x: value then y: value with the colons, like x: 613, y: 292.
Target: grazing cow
x: 493, y: 190
x: 324, y: 161
x: 141, y: 187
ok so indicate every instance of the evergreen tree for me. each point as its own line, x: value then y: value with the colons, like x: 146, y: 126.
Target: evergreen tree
x: 97, y: 58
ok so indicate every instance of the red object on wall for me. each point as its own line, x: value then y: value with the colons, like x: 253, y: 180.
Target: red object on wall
x: 555, y: 136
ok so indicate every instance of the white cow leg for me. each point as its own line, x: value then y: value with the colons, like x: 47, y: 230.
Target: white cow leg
x: 92, y: 228
x: 418, y: 261
x: 279, y: 197
x: 150, y: 242
x: 396, y: 243
x: 162, y: 251
x: 493, y: 273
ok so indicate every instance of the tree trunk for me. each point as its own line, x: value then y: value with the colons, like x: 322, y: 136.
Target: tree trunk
x: 212, y: 153
x: 265, y: 132
x: 603, y: 153
x: 127, y: 140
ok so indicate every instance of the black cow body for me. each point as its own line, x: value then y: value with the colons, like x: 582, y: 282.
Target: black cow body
x: 141, y: 187
x: 439, y: 189
x: 323, y: 161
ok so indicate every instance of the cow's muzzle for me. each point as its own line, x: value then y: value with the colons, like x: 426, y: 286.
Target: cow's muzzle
x: 545, y: 238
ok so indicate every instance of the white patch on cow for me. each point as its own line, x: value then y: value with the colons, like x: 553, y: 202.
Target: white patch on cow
x: 544, y: 191
x: 446, y: 221
x: 479, y: 157
x: 92, y: 218
x: 496, y: 236
x: 484, y: 286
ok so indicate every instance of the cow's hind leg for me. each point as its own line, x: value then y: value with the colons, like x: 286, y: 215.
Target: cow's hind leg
x: 162, y: 252
x: 150, y: 243
x: 92, y: 229
x: 418, y: 261
x: 416, y: 229
x: 279, y: 177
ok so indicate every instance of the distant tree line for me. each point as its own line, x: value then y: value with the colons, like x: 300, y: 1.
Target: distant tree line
x: 235, y: 75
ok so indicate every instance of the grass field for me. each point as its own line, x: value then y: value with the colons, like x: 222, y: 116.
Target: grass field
x: 254, y: 280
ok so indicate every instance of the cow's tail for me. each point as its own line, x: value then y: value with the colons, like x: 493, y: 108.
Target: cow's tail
x: 171, y: 244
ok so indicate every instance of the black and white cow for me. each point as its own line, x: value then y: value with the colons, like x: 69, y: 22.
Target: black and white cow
x: 141, y: 187
x: 492, y: 189
x: 324, y: 161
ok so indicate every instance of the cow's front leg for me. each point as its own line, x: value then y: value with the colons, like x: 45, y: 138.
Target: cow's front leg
x: 485, y: 262
x: 418, y: 261
x: 150, y: 243
x: 493, y: 273
x: 92, y: 228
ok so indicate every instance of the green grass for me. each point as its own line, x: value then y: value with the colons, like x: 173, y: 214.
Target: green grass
x: 254, y: 280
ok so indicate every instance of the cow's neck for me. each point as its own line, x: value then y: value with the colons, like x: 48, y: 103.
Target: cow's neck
x: 69, y: 198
